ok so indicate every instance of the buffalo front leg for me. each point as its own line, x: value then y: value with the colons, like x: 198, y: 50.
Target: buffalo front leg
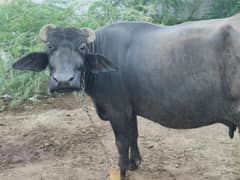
x: 121, y: 129
x: 135, y: 157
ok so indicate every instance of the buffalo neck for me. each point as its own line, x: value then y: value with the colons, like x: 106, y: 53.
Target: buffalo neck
x: 90, y: 77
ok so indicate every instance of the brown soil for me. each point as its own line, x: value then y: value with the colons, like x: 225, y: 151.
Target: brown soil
x: 63, y: 139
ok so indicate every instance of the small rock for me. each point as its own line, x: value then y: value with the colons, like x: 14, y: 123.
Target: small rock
x: 34, y: 98
x: 150, y: 146
x: 102, y: 162
x: 24, y: 135
x: 6, y: 97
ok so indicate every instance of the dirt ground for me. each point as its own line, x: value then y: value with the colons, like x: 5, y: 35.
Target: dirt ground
x: 63, y: 139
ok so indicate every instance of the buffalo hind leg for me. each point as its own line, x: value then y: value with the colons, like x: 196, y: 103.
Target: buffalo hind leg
x: 232, y: 127
x: 135, y: 157
x: 231, y: 131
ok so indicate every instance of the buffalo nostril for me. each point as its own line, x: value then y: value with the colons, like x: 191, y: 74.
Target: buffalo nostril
x: 55, y: 78
x: 71, y: 78
x: 63, y: 79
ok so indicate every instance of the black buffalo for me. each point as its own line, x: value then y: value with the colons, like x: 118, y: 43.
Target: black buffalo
x: 179, y: 76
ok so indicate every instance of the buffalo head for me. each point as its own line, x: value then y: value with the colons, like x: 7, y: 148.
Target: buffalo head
x: 67, y: 55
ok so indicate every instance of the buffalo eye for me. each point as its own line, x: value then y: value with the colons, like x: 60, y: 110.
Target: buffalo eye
x: 82, y: 47
x: 79, y: 68
x: 50, y: 47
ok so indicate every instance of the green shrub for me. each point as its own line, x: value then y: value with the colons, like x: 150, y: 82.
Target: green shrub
x: 224, y: 8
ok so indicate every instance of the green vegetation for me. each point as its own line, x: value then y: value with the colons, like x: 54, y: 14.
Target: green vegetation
x: 21, y: 20
x: 224, y: 8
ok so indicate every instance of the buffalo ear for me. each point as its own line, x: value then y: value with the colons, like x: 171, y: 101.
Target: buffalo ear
x: 43, y: 33
x: 90, y: 34
x: 98, y: 63
x: 36, y: 61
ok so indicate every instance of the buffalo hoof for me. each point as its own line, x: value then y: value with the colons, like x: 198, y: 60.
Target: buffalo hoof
x: 123, y: 174
x: 231, y: 131
x: 134, y: 163
x: 124, y: 178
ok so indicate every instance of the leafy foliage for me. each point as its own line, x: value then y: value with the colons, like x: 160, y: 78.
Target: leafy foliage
x: 224, y: 8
